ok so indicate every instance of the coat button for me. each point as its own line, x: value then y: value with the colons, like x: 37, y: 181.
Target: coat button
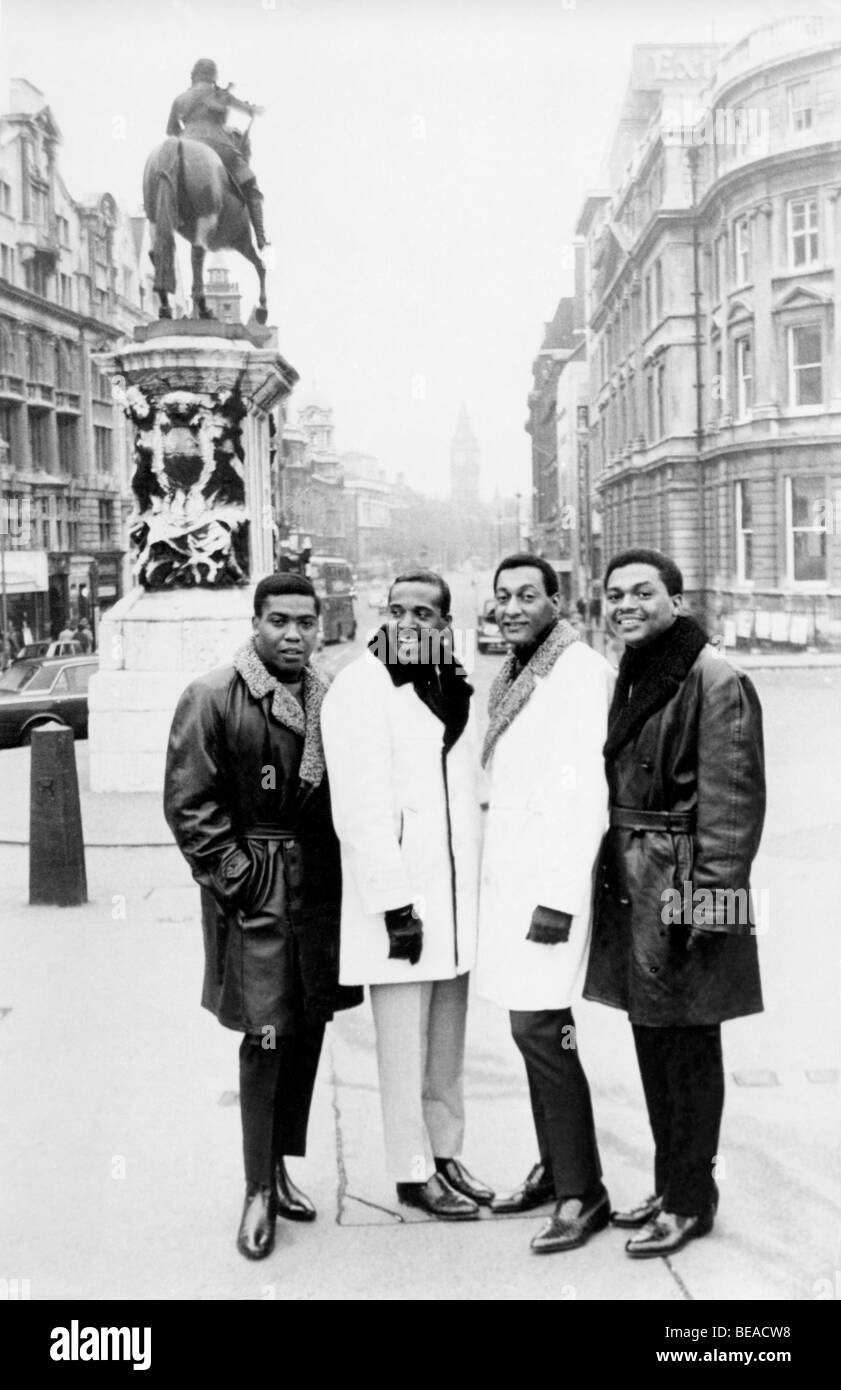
x: 647, y: 765
x: 624, y: 901
x: 652, y: 969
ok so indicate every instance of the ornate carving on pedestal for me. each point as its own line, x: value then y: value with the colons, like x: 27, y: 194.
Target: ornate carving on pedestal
x: 190, y: 526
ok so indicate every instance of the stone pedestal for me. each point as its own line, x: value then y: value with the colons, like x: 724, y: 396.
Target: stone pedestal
x: 177, y: 382
x: 151, y: 645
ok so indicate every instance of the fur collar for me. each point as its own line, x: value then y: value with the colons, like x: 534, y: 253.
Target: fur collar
x: 649, y: 677
x: 514, y: 683
x: 286, y: 710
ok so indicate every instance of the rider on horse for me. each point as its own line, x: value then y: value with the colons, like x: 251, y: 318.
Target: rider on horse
x: 200, y: 114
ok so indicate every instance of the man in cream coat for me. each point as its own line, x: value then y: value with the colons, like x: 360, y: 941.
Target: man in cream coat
x: 547, y: 814
x: 403, y: 762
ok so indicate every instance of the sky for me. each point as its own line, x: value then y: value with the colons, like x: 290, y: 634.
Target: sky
x: 423, y: 166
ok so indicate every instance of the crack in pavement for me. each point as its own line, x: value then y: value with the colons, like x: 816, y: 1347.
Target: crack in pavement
x: 341, y: 1187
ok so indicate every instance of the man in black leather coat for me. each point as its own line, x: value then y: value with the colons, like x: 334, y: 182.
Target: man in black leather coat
x: 247, y: 800
x: 674, y: 936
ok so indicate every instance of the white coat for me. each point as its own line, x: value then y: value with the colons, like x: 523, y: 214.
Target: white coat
x: 390, y: 800
x: 546, y: 818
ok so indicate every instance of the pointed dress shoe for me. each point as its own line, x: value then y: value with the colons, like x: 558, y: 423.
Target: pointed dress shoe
x: 539, y: 1187
x: 290, y: 1201
x: 630, y: 1217
x: 572, y: 1223
x: 458, y: 1177
x: 668, y: 1233
x: 255, y: 1238
x: 438, y: 1199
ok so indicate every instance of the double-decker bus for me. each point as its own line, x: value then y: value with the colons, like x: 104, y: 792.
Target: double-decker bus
x: 333, y: 582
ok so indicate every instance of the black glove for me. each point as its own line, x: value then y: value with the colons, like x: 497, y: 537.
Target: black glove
x: 548, y: 927
x: 405, y: 934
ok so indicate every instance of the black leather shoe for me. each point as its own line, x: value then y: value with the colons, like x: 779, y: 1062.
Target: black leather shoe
x: 458, y: 1177
x: 539, y: 1187
x: 436, y: 1197
x: 290, y: 1201
x: 668, y: 1233
x: 629, y: 1217
x: 572, y: 1223
x: 255, y: 1238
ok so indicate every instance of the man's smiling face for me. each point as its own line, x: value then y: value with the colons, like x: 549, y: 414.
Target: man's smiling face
x: 638, y: 605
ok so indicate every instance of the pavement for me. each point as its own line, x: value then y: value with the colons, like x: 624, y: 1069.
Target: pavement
x: 121, y: 1167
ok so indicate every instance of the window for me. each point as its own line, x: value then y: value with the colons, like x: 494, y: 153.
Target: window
x: 105, y: 515
x: 62, y: 685
x: 744, y: 533
x: 63, y: 230
x: 72, y: 512
x: 65, y: 291
x: 744, y: 377
x: 805, y: 365
x: 5, y: 198
x: 800, y: 106
x: 649, y: 311
x: 67, y: 445
x: 742, y: 238
x: 102, y: 448
x: 718, y: 382
x: 79, y: 677
x: 803, y: 231
x: 38, y: 443
x: 806, y: 529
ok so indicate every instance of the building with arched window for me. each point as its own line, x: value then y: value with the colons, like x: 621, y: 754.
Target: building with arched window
x: 713, y: 312
x: 72, y: 281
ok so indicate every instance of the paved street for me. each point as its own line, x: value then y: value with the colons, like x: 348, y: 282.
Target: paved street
x: 121, y: 1166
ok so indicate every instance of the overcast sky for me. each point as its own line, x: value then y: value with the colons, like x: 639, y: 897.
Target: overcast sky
x: 423, y: 165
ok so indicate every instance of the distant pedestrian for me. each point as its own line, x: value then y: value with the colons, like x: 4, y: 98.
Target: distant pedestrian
x: 84, y: 636
x: 246, y: 798
x: 674, y: 940
x: 67, y: 634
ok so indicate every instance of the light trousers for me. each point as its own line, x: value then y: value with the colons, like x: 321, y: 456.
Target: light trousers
x: 420, y: 1054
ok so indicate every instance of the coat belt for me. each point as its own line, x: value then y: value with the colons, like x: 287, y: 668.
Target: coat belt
x: 676, y: 822
x: 267, y: 832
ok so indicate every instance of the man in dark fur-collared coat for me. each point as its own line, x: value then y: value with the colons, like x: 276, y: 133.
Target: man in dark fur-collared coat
x: 247, y: 800
x: 674, y: 936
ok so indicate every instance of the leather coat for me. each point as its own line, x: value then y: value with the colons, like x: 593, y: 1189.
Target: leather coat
x: 701, y: 754
x: 261, y: 845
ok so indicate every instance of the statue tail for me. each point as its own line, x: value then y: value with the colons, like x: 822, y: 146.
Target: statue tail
x: 165, y: 214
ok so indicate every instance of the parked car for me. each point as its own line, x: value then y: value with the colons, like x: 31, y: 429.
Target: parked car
x: 41, y: 689
x: 488, y: 636
x: 49, y: 648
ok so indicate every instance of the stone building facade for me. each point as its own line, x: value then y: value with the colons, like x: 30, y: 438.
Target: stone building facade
x: 72, y: 281
x: 714, y: 299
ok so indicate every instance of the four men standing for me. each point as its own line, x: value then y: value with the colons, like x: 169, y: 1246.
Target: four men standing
x: 247, y: 800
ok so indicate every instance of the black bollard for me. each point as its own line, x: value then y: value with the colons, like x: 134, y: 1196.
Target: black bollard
x: 56, y: 847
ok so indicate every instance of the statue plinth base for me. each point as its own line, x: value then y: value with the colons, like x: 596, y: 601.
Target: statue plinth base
x: 198, y: 396
x: 151, y: 645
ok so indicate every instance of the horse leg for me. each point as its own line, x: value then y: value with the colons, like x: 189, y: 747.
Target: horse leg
x: 199, y: 301
x: 248, y: 251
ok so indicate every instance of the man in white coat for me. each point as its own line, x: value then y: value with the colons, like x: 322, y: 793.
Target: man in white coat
x: 547, y: 814
x: 403, y: 762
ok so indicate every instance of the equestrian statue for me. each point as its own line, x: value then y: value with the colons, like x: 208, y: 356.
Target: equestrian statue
x: 199, y: 183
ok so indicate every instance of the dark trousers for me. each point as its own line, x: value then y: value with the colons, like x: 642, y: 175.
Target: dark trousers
x: 683, y: 1079
x: 275, y: 1094
x: 560, y: 1099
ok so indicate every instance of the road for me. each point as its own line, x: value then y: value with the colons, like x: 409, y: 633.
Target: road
x: 121, y: 1160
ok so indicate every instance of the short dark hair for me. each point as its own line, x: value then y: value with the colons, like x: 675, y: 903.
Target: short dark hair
x: 664, y: 564
x: 283, y: 584
x: 537, y: 562
x: 421, y: 576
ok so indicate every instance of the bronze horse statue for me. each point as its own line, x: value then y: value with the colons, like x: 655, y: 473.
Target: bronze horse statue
x: 187, y: 189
